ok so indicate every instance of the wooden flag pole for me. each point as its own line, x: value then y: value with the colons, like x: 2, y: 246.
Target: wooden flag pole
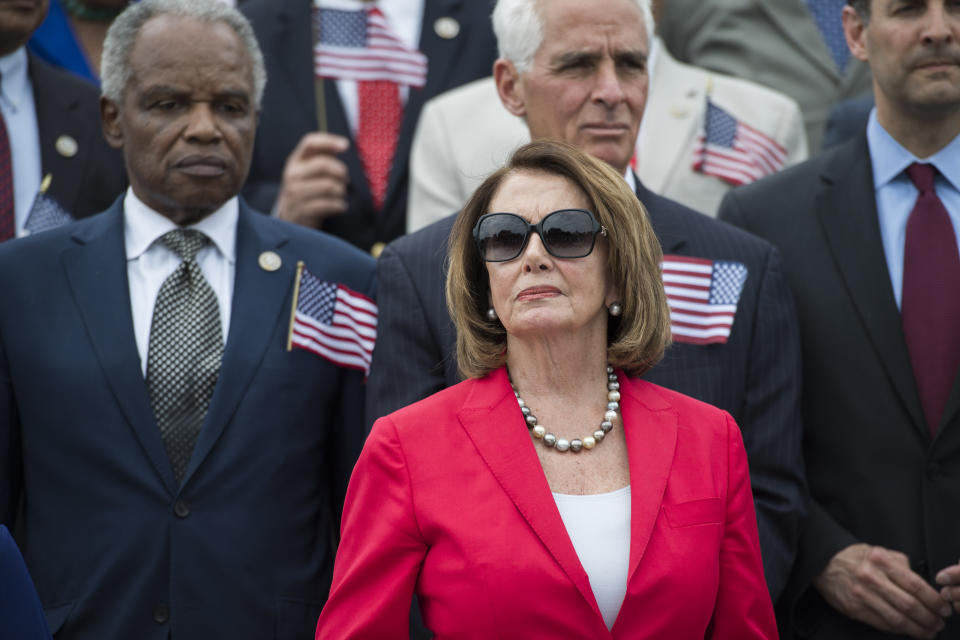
x: 293, y: 306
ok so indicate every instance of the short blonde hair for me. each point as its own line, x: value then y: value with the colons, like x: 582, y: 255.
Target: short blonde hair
x: 637, y: 339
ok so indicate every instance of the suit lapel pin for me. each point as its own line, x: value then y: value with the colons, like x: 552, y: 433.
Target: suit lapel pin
x: 446, y: 27
x: 269, y: 261
x: 66, y: 146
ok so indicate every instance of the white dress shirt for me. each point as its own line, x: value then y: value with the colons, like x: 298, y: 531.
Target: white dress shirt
x: 150, y: 261
x: 599, y: 528
x: 405, y: 18
x: 20, y: 115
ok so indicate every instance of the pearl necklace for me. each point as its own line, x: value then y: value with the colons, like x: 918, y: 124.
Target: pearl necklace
x: 549, y: 440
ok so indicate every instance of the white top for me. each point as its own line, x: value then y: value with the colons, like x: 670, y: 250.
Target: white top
x: 20, y: 113
x: 599, y: 528
x: 149, y: 262
x: 405, y: 18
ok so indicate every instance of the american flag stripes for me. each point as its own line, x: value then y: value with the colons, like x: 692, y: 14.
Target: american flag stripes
x: 733, y: 151
x: 332, y: 321
x: 703, y: 296
x: 358, y: 45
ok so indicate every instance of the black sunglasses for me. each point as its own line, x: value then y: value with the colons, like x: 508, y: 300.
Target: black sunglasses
x: 567, y: 233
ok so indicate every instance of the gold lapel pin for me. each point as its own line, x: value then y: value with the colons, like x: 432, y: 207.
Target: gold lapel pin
x: 446, y: 27
x: 269, y: 261
x: 66, y: 146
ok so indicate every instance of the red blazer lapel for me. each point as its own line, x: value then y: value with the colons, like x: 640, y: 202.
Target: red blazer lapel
x: 493, y: 422
x: 650, y: 427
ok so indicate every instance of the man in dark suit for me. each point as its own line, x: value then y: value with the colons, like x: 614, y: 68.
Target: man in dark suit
x: 318, y: 179
x: 173, y: 469
x: 597, y: 106
x: 879, y: 305
x: 59, y: 137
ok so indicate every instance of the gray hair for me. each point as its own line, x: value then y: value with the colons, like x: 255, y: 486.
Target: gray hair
x: 123, y: 32
x: 518, y: 26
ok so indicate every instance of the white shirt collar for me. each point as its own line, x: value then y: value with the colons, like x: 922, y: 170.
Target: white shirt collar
x: 14, y: 80
x: 142, y: 226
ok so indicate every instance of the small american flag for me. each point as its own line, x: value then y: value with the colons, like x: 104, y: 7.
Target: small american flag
x: 733, y: 151
x: 703, y: 296
x: 332, y: 321
x: 358, y: 45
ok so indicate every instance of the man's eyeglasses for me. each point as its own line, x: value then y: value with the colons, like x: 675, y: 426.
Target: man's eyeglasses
x: 567, y: 233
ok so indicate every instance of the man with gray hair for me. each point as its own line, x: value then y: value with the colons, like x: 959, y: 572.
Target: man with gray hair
x: 579, y: 74
x: 171, y: 468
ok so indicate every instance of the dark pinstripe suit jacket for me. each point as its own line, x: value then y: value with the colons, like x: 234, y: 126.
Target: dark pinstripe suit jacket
x: 755, y: 375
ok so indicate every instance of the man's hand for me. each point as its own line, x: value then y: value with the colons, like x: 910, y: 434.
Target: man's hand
x: 876, y: 586
x: 314, y: 181
x: 949, y: 580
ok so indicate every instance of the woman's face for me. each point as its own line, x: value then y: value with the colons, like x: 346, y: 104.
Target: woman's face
x: 537, y: 294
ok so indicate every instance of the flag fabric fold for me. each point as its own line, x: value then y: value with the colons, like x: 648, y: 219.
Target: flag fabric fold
x: 734, y: 151
x: 333, y: 321
x: 703, y: 296
x: 358, y: 45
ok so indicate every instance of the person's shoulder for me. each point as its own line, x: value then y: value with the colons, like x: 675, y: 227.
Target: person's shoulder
x: 427, y: 419
x: 704, y: 236
x: 799, y: 179
x: 48, y: 76
x: 42, y: 247
x: 694, y: 417
x: 434, y: 236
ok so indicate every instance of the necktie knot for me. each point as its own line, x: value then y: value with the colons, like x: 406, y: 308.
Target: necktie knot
x: 185, y: 242
x: 922, y: 176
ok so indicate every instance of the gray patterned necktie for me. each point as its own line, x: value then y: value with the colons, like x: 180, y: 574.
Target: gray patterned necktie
x: 186, y: 345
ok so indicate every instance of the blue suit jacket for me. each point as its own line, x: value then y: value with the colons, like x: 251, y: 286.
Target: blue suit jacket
x: 243, y: 548
x: 755, y: 375
x: 290, y: 112
x: 21, y: 615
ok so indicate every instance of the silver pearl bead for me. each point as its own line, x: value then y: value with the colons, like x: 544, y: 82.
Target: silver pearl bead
x: 606, y: 425
x: 609, y: 369
x: 589, y: 442
x: 610, y: 415
x: 549, y: 440
x: 612, y: 377
x: 614, y: 386
x: 525, y: 410
x: 598, y: 434
x: 538, y: 432
x: 492, y: 314
x: 576, y: 445
x: 531, y: 419
x: 521, y: 402
x: 613, y: 406
x: 563, y: 444
x: 613, y: 396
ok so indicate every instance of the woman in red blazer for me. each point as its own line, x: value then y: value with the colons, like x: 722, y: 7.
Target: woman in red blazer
x: 553, y: 494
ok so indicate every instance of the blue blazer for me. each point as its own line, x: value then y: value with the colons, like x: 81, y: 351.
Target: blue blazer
x: 21, y: 615
x: 243, y: 548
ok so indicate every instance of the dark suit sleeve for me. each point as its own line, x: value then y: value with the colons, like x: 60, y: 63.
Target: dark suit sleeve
x: 820, y: 535
x: 407, y: 361
x: 21, y: 615
x: 774, y: 438
x: 10, y: 463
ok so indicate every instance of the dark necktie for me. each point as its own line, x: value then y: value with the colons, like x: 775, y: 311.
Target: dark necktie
x: 7, y: 220
x: 827, y: 14
x: 186, y: 345
x: 930, y: 306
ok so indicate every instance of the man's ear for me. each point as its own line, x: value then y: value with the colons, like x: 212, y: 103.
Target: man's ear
x: 509, y: 86
x: 110, y: 122
x: 854, y: 28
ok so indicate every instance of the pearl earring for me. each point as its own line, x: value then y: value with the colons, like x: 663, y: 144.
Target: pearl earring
x: 492, y: 314
x: 616, y: 309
